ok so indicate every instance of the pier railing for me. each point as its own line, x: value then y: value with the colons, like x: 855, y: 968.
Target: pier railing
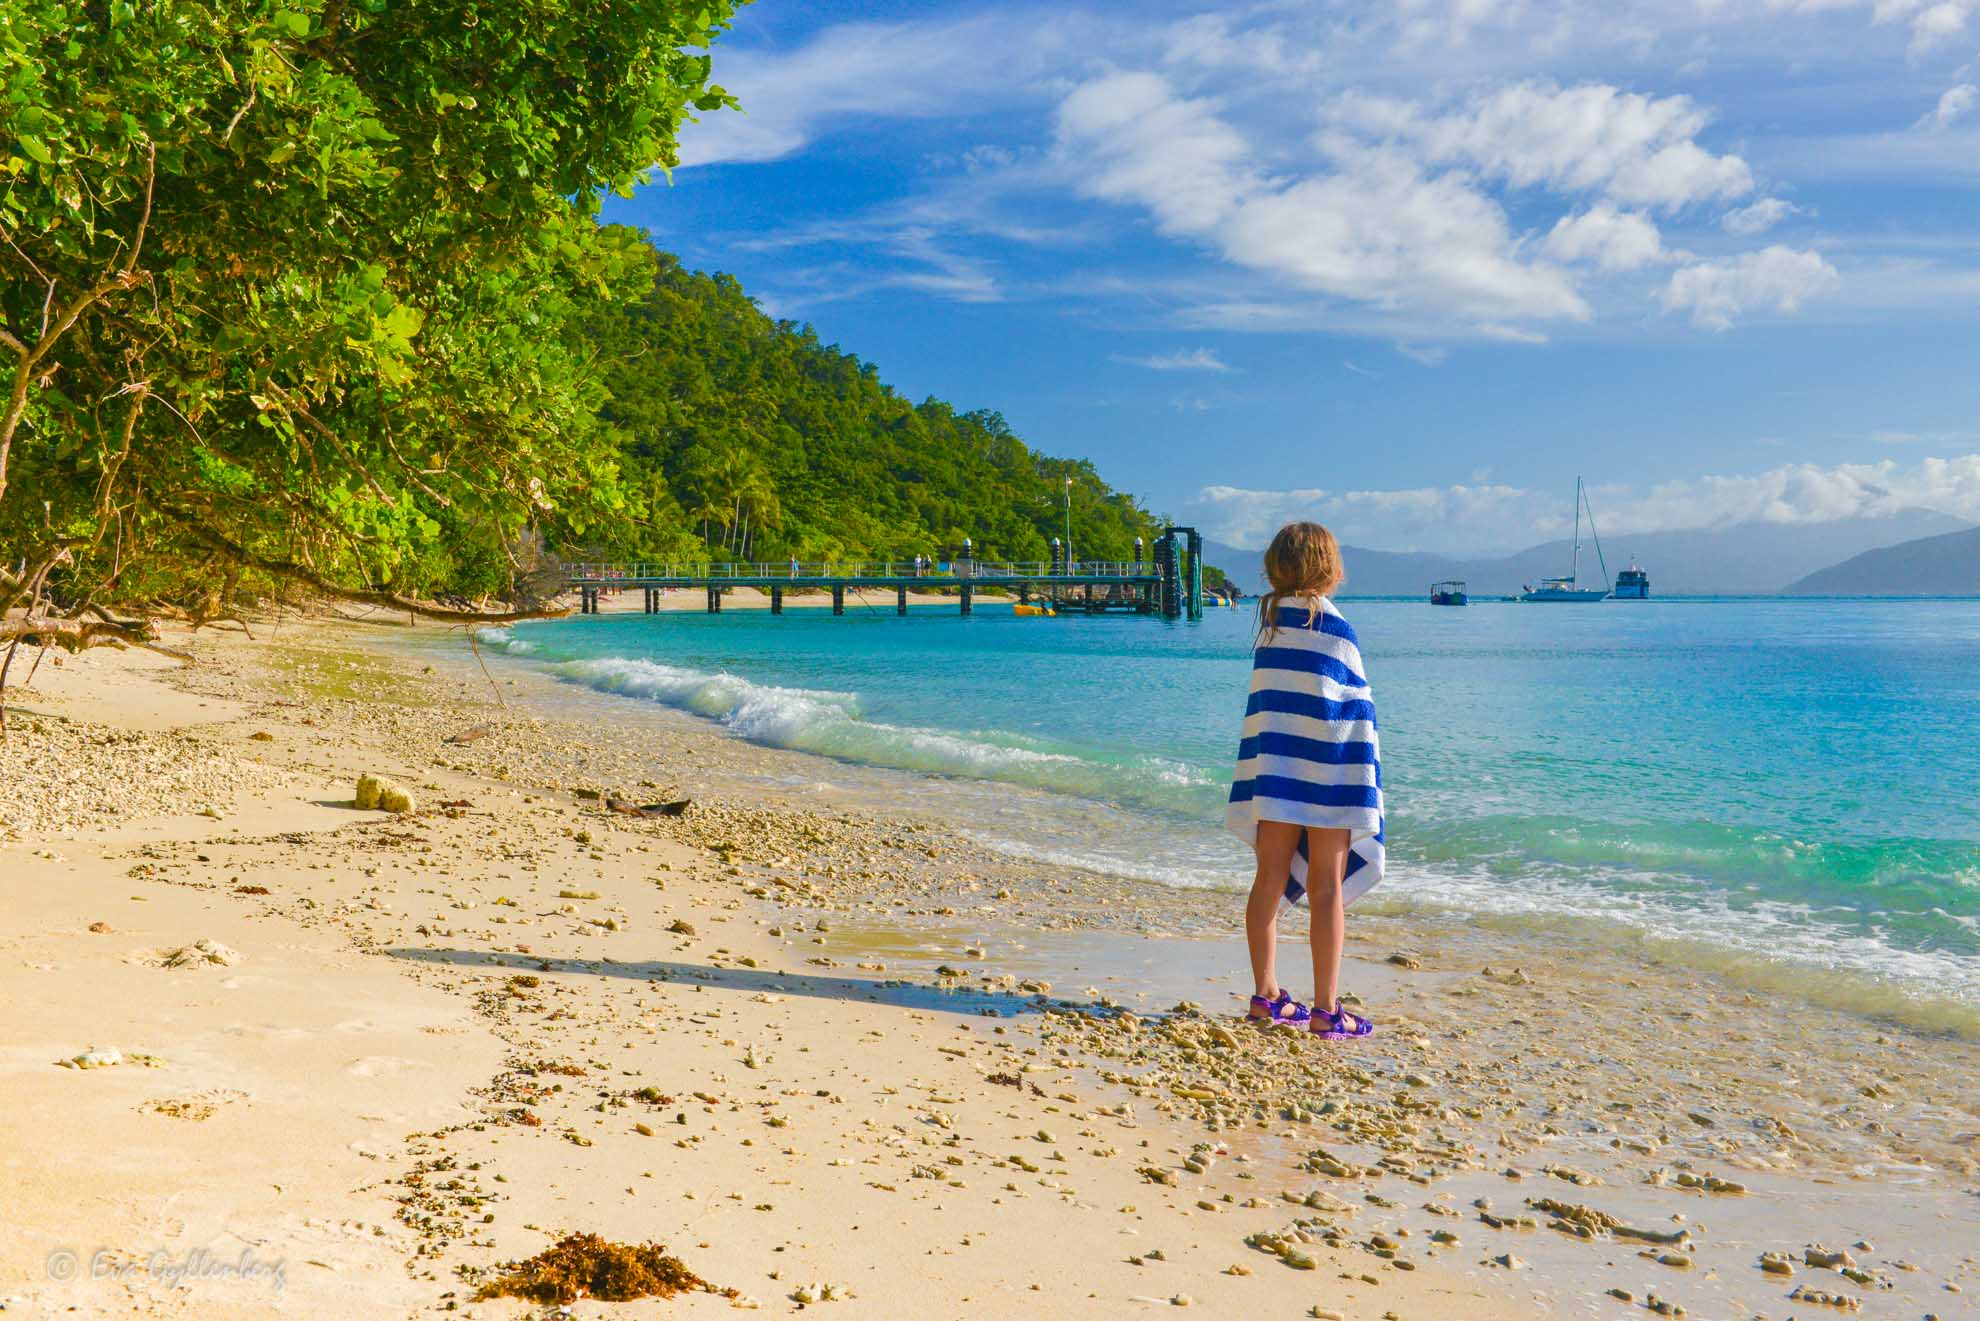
x: 1169, y: 582
x: 956, y: 570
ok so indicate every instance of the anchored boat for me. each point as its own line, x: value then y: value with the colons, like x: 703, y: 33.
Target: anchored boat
x: 1568, y: 589
x: 1632, y: 584
x: 1449, y: 592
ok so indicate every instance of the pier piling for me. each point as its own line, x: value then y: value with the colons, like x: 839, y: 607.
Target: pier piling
x: 776, y: 600
x: 838, y: 599
x: 900, y: 600
x: 1195, y: 572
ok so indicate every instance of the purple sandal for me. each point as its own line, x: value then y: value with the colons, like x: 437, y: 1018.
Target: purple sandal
x: 1341, y: 1025
x: 1282, y: 1012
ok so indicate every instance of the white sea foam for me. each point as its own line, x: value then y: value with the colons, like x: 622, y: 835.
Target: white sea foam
x: 829, y: 724
x: 1778, y: 947
x: 505, y: 639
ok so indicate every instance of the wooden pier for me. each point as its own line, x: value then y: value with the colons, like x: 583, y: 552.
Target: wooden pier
x: 1169, y: 584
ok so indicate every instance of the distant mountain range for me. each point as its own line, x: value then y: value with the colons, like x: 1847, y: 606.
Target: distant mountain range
x: 1744, y: 558
x: 1947, y: 565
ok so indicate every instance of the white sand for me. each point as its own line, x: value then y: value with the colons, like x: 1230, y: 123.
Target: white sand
x: 429, y: 1056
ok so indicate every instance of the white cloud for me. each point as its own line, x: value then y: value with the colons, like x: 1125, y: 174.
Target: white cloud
x: 893, y: 70
x: 1633, y: 149
x: 1761, y: 216
x: 1954, y: 103
x: 1182, y: 360
x: 1429, y: 355
x: 1931, y: 21
x: 1211, y: 41
x: 1374, y: 228
x: 1775, y: 277
x: 1605, y: 237
x: 1461, y: 182
x: 1447, y: 517
x: 1935, y: 23
x: 1144, y: 144
x: 1807, y: 493
x: 1481, y: 515
x: 914, y: 252
x: 962, y: 278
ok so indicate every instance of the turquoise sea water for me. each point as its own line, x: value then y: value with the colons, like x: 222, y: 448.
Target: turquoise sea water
x: 1787, y: 788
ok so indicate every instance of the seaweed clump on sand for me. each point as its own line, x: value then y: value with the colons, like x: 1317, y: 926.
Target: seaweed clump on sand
x: 587, y: 1266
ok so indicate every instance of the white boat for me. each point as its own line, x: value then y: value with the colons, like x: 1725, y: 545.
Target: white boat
x: 1568, y: 589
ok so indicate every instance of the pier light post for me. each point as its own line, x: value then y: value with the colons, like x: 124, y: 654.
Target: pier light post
x: 1055, y: 555
x: 1068, y: 525
x: 1137, y: 554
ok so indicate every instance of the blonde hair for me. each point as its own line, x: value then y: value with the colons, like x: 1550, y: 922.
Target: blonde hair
x: 1303, y: 560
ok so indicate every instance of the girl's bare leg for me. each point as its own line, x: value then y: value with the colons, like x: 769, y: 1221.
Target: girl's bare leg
x: 1326, y: 865
x: 1275, y: 845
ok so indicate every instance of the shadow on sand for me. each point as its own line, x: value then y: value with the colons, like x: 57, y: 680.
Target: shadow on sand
x: 749, y: 981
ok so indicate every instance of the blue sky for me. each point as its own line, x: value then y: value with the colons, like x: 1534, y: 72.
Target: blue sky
x: 1408, y: 268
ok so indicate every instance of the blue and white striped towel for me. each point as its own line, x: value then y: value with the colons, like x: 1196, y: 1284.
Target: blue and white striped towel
x: 1310, y: 754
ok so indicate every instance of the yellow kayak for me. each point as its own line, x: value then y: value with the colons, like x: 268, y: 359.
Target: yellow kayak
x: 1030, y: 611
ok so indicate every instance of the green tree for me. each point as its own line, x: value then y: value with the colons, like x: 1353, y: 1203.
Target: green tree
x: 302, y: 291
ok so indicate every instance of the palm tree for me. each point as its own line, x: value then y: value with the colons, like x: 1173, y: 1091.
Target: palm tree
x: 709, y: 511
x: 759, y: 506
x: 703, y: 490
x: 734, y: 471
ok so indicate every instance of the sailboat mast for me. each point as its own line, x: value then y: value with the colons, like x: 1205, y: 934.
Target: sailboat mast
x: 1599, y: 557
x: 1574, y: 564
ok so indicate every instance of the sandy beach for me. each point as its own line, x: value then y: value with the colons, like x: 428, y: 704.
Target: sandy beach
x: 274, y: 1055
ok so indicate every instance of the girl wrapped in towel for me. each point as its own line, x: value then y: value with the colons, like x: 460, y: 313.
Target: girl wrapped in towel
x: 1307, y: 795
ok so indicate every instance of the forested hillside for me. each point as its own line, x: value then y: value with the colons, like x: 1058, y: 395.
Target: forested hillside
x: 744, y: 437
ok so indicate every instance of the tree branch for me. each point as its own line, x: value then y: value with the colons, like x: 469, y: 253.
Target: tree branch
x: 29, y: 364
x: 306, y: 574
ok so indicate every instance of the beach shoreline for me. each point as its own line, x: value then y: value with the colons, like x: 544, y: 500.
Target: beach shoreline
x: 394, y: 1040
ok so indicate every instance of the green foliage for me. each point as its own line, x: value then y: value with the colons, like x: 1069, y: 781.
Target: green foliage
x: 770, y: 444
x: 302, y: 289
x: 317, y: 290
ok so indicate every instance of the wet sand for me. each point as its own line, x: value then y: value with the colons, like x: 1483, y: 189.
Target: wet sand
x: 804, y: 1045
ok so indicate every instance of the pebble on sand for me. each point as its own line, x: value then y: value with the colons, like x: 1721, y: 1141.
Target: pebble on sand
x: 201, y: 953
x: 95, y: 1058
x: 375, y: 793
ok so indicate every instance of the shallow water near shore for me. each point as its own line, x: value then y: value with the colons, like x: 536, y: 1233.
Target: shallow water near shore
x: 1779, y: 790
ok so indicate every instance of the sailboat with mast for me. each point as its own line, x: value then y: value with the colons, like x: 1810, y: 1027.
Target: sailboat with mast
x: 1568, y: 589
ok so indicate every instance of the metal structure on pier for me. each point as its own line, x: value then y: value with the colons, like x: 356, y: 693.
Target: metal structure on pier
x: 1167, y: 583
